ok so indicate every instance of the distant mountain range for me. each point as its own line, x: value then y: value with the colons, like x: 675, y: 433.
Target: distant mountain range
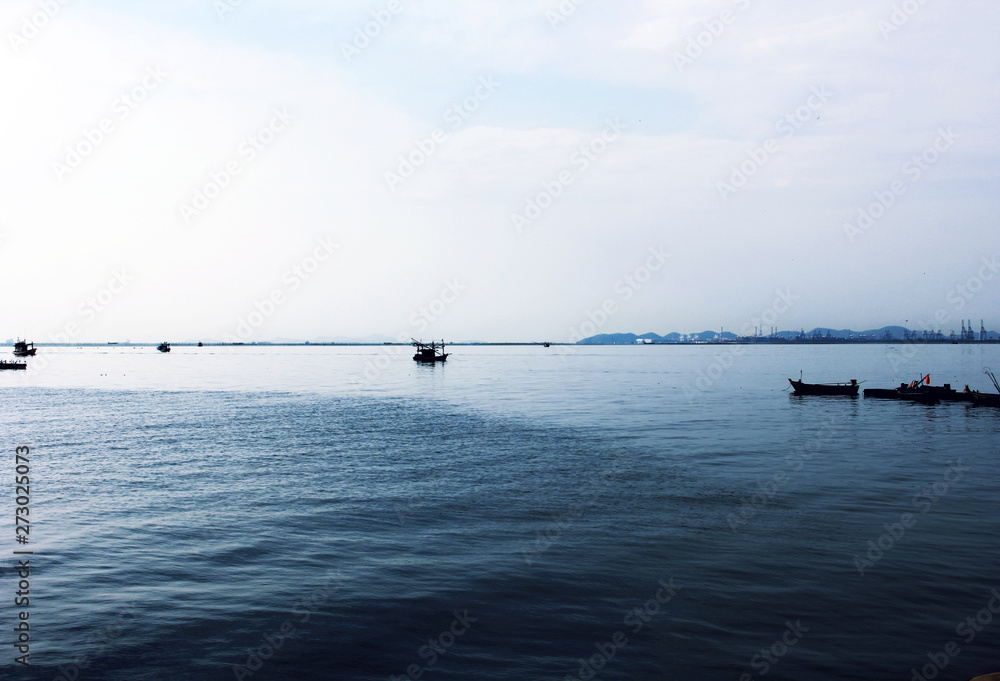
x: 886, y: 333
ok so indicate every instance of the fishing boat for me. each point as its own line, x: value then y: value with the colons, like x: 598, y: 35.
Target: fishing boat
x: 429, y: 353
x: 988, y: 399
x: 24, y: 349
x: 900, y: 393
x: 920, y: 391
x: 945, y: 392
x: 12, y: 366
x: 163, y: 347
x: 801, y: 388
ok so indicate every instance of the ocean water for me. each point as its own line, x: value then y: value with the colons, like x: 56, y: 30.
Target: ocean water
x: 664, y: 512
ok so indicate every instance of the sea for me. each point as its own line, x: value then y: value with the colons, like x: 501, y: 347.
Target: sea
x: 663, y: 512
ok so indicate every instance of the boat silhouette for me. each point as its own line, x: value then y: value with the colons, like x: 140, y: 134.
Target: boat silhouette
x: 428, y: 353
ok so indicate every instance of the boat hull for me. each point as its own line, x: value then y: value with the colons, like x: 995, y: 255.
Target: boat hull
x: 12, y: 366
x: 430, y: 360
x: 800, y: 388
x: 987, y: 400
x: 897, y: 394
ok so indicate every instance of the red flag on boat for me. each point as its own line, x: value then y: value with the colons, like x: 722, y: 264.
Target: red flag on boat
x: 927, y: 379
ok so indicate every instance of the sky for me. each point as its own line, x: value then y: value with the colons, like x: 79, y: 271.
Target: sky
x: 496, y: 170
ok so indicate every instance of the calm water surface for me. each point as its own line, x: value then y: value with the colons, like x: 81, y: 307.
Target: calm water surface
x: 342, y: 513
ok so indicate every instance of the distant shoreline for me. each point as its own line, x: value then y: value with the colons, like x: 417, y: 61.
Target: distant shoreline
x: 762, y: 341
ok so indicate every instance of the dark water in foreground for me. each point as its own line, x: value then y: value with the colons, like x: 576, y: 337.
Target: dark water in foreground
x: 513, y: 508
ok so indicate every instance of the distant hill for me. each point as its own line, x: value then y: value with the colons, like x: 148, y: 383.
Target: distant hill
x: 632, y: 339
x: 885, y: 333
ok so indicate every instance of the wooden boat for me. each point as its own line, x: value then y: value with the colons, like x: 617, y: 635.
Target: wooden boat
x: 883, y: 393
x: 428, y: 353
x: 12, y: 366
x: 945, y: 392
x: 24, y: 349
x: 919, y: 391
x: 987, y: 399
x: 901, y: 393
x: 801, y: 388
x: 163, y: 347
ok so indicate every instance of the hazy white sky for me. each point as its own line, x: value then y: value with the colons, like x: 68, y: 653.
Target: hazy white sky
x: 495, y: 170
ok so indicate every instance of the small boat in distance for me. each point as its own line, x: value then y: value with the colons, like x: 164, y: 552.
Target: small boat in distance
x: 24, y: 349
x: 429, y: 353
x: 800, y: 388
x: 15, y: 366
x: 163, y: 347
